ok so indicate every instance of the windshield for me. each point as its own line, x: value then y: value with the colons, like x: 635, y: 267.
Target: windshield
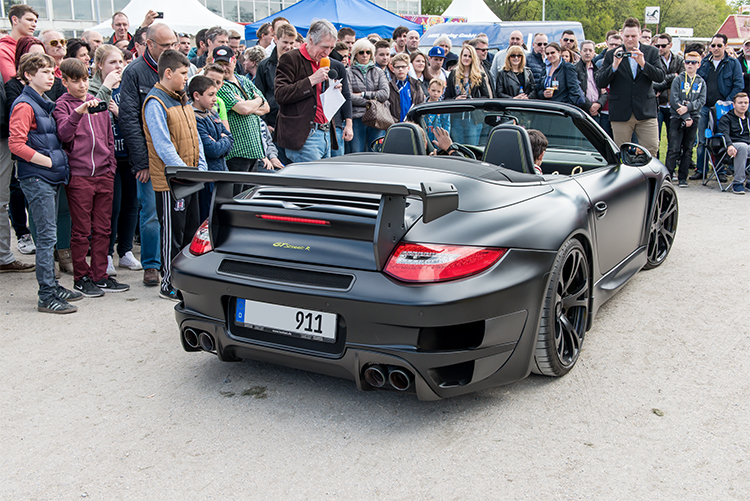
x: 471, y: 128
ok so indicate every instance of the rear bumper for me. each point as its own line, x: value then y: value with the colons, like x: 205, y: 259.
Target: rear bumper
x: 452, y: 338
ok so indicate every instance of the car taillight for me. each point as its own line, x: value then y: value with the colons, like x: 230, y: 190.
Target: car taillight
x: 438, y: 263
x: 201, y: 243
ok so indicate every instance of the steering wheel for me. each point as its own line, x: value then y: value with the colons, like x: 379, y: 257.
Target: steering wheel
x: 465, y: 152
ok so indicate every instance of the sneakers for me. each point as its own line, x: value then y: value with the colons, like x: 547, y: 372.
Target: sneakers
x: 151, y: 277
x: 109, y: 284
x: 111, y: 271
x: 56, y: 305
x: 674, y: 177
x: 87, y: 287
x: 683, y: 183
x: 170, y: 293
x: 66, y: 295
x: 26, y: 244
x: 129, y: 261
x: 738, y: 189
x: 16, y: 267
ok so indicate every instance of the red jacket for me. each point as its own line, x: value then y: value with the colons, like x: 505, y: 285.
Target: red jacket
x: 87, y: 139
x: 8, y: 57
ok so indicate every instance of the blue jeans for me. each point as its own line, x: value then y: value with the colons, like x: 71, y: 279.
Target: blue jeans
x: 464, y: 130
x: 150, y: 226
x: 604, y: 122
x: 42, y: 199
x: 317, y: 146
x: 701, y: 152
x: 340, y: 139
x: 363, y: 137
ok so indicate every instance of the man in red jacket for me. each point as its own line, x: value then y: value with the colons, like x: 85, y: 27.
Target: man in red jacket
x: 23, y: 21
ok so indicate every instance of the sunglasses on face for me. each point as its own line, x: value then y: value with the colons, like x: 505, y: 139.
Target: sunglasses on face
x: 551, y: 53
x: 515, y: 55
x: 183, y: 35
x: 660, y: 46
x: 568, y: 39
x: 481, y: 50
x: 363, y: 52
x: 54, y: 43
x: 692, y: 62
x: 717, y: 45
x: 541, y: 44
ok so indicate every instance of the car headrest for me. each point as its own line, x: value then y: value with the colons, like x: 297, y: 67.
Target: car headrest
x: 509, y: 146
x: 404, y: 139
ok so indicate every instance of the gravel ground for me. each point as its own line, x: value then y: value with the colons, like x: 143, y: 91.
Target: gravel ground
x: 105, y: 404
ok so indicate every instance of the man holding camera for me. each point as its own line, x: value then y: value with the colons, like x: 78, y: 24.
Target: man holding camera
x: 630, y: 72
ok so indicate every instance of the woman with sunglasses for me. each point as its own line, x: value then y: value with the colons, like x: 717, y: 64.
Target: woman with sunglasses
x: 419, y: 71
x: 467, y: 81
x: 366, y: 82
x: 515, y: 80
x: 560, y: 82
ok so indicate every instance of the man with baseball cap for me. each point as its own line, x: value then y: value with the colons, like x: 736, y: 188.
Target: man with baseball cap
x: 435, y: 59
x: 245, y: 105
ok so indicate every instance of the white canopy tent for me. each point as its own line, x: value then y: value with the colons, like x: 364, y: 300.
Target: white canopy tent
x: 187, y: 16
x: 475, y: 11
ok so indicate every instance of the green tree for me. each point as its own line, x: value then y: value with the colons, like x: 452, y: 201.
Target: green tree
x: 434, y: 7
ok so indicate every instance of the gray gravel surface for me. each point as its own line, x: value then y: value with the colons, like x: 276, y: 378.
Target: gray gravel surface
x: 105, y: 404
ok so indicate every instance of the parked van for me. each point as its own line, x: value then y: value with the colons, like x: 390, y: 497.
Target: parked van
x: 498, y: 33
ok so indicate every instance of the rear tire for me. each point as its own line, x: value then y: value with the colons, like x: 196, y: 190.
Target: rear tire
x: 565, y: 313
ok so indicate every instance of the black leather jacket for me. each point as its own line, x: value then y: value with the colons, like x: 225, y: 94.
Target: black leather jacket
x: 508, y: 86
x: 264, y: 81
x: 676, y: 66
x: 138, y: 79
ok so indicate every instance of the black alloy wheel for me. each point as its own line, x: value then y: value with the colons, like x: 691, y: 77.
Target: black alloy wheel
x: 663, y: 226
x: 565, y: 313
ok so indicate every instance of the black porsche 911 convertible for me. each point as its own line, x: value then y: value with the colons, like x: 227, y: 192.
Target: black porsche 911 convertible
x: 434, y: 274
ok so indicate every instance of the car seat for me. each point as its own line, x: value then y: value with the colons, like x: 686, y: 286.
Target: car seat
x: 508, y: 146
x: 404, y: 138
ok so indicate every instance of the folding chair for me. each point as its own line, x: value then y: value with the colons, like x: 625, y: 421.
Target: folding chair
x: 716, y: 146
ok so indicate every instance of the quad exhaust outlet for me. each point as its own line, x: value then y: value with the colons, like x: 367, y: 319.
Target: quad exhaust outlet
x: 378, y: 376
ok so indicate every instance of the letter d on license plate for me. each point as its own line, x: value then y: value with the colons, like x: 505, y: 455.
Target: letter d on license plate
x: 285, y: 320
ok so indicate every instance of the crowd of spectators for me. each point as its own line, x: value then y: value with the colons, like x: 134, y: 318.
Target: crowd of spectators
x: 87, y: 124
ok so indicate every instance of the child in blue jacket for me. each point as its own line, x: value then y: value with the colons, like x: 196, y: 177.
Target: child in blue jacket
x: 217, y: 140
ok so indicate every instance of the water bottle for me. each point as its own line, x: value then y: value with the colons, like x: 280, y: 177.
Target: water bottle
x: 520, y: 89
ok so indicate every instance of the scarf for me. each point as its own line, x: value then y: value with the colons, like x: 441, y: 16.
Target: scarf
x: 363, y: 67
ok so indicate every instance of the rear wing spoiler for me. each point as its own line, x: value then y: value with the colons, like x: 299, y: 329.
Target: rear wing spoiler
x: 438, y: 199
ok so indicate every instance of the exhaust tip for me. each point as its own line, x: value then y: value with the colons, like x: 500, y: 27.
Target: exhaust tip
x: 399, y: 379
x: 206, y: 342
x: 375, y: 376
x: 191, y: 338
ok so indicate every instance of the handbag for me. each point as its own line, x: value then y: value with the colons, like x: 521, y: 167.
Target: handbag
x: 377, y: 115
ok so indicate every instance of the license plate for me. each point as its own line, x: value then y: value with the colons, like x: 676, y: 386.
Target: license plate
x: 285, y: 320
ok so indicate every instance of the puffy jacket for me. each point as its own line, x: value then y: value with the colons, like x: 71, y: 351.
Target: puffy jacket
x: 138, y: 78
x: 508, y: 85
x: 87, y: 139
x: 264, y: 80
x: 372, y: 85
x: 215, y: 146
x: 43, y: 140
x: 729, y: 79
x: 535, y: 62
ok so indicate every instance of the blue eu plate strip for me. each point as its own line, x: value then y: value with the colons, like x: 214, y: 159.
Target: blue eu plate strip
x: 240, y: 317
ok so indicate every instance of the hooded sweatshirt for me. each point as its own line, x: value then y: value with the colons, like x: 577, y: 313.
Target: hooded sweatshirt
x: 87, y: 139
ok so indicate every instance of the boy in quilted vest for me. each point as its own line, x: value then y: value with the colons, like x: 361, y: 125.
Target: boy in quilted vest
x: 42, y: 167
x: 172, y: 139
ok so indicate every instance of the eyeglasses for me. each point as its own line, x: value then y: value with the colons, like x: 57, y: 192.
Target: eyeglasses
x: 515, y: 55
x: 660, y: 46
x: 363, y: 52
x: 715, y: 45
x: 568, y: 39
x: 169, y: 45
x: 400, y: 67
x: 692, y: 62
x: 541, y: 44
x: 54, y: 43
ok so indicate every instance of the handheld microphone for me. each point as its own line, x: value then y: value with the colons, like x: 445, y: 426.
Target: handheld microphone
x: 333, y: 74
x: 325, y: 62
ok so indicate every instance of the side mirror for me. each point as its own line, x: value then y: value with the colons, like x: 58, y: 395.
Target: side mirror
x: 634, y: 155
x: 377, y: 145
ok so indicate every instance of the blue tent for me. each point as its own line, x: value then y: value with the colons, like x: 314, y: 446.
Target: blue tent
x: 362, y: 16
